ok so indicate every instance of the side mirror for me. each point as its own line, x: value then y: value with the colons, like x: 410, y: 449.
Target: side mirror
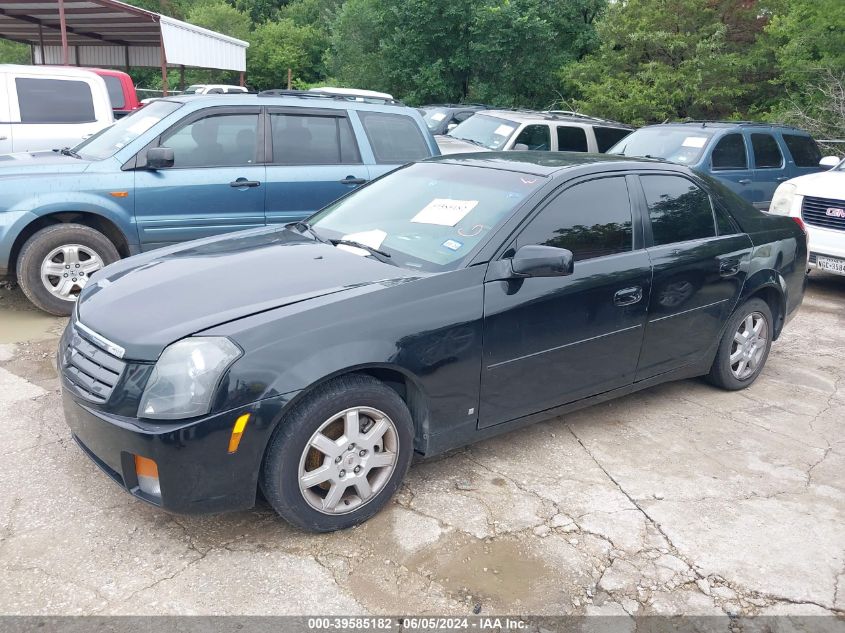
x: 542, y: 261
x: 829, y: 161
x: 451, y: 127
x: 160, y: 158
x: 520, y: 147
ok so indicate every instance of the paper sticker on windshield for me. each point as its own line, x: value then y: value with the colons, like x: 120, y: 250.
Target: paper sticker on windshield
x: 694, y: 141
x: 452, y: 245
x: 503, y: 130
x: 444, y: 211
x: 438, y: 116
x: 373, y: 238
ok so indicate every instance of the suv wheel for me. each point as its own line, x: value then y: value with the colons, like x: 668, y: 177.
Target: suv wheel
x: 744, y: 347
x: 339, y: 456
x: 54, y: 264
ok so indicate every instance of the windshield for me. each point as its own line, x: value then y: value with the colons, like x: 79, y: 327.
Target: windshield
x: 433, y: 117
x: 108, y: 141
x: 194, y: 88
x: 487, y: 131
x: 427, y: 216
x: 682, y: 145
x: 840, y: 166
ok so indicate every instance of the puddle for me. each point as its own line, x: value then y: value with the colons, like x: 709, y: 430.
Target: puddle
x: 21, y: 322
x: 513, y: 574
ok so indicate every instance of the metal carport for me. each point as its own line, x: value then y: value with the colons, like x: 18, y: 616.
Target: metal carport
x: 114, y: 34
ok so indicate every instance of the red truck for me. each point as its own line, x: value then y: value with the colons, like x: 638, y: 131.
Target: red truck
x: 121, y: 91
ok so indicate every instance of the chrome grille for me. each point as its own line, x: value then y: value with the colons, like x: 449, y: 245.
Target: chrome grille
x: 91, y: 371
x: 826, y: 213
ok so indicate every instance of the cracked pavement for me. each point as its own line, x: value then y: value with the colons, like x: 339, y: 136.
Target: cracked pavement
x: 681, y: 499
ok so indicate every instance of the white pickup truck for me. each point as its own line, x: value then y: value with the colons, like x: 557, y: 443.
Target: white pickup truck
x: 819, y: 200
x: 50, y: 107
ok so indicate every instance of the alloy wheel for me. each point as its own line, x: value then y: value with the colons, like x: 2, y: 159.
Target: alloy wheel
x: 749, y: 345
x: 66, y: 269
x: 348, y: 460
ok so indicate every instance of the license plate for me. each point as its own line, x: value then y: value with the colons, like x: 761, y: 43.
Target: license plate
x: 831, y: 264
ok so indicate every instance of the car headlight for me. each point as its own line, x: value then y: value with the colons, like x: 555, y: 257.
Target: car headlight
x: 782, y: 200
x: 185, y: 377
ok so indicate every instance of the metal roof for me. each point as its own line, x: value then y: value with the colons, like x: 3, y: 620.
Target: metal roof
x: 111, y: 33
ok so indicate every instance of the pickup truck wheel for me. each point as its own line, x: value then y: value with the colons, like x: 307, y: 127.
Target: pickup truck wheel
x: 337, y: 458
x: 54, y: 264
x: 744, y: 347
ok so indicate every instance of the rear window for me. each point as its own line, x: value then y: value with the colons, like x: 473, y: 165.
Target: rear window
x: 607, y: 137
x: 54, y: 101
x: 395, y: 138
x: 804, y: 150
x: 766, y: 151
x: 571, y: 139
x: 115, y: 89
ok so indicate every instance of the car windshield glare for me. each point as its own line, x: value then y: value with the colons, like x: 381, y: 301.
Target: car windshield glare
x: 427, y: 216
x: 116, y: 137
x: 433, y: 117
x: 486, y: 131
x: 683, y: 145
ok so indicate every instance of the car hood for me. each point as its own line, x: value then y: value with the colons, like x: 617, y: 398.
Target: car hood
x: 39, y: 163
x: 825, y: 184
x: 146, y: 302
x: 451, y: 145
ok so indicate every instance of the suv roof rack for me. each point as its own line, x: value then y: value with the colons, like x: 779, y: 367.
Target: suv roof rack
x: 572, y: 114
x: 704, y: 122
x: 325, y: 94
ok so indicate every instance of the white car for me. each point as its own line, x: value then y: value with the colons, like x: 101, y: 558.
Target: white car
x: 50, y: 107
x: 818, y: 200
x: 214, y: 89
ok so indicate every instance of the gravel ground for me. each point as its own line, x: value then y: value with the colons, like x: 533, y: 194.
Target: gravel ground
x: 678, y: 500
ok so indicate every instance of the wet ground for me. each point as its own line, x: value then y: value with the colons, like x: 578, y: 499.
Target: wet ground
x: 678, y: 500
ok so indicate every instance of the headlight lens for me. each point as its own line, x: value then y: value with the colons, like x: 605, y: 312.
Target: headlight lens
x: 782, y: 200
x: 185, y: 377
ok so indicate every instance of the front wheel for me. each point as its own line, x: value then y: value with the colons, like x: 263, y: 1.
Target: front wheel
x: 744, y: 347
x: 54, y: 264
x: 339, y: 456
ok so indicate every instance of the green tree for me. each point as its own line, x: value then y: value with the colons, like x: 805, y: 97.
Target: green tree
x: 663, y: 59
x: 277, y: 46
x: 221, y: 17
x: 354, y: 58
x: 13, y: 53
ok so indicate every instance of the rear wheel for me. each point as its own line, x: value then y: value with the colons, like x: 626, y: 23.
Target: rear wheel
x: 54, y: 264
x: 744, y: 347
x: 339, y: 456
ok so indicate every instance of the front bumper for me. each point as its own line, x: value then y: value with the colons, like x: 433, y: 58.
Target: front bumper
x: 825, y: 242
x: 196, y: 472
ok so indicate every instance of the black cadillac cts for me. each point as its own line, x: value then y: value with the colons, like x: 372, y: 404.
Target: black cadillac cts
x: 449, y: 301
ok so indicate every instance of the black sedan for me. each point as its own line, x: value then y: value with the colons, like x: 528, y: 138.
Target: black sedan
x: 451, y: 300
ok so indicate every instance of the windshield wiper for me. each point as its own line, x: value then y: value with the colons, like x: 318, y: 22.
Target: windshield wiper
x: 67, y: 151
x: 304, y: 227
x: 379, y: 255
x: 469, y: 140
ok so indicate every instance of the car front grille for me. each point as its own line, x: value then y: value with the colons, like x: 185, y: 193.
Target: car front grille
x: 824, y: 212
x: 91, y: 371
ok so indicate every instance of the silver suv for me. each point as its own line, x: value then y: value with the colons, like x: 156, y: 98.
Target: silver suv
x: 556, y: 131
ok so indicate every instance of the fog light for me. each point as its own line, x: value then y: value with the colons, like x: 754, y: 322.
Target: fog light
x: 237, y: 432
x: 147, y: 473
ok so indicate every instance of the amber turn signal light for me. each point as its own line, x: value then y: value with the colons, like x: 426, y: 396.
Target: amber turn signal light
x: 237, y: 432
x: 147, y: 472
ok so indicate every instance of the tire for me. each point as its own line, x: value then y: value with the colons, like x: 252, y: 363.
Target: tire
x: 52, y: 249
x: 335, y: 501
x: 723, y: 373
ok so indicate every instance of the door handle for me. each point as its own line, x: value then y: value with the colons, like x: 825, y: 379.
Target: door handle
x: 729, y: 267
x: 352, y: 180
x: 4, y: 138
x: 628, y: 296
x: 243, y: 182
x: 744, y: 181
x: 782, y: 179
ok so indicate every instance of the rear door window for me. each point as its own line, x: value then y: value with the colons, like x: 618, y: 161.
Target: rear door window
x: 766, y: 151
x: 679, y: 209
x: 394, y: 138
x: 536, y: 137
x: 571, y: 139
x: 805, y: 152
x: 312, y: 140
x: 729, y: 153
x: 607, y: 137
x: 54, y: 101
x: 115, y: 88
